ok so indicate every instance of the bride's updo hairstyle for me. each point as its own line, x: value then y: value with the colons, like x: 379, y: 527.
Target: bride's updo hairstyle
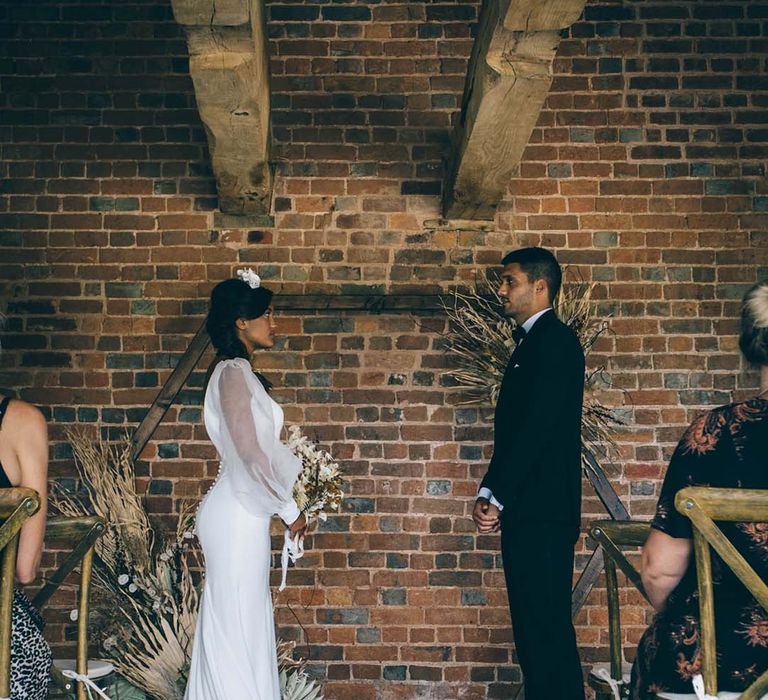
x: 754, y: 324
x: 230, y: 300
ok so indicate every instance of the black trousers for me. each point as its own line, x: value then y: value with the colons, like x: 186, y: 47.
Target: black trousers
x: 538, y: 566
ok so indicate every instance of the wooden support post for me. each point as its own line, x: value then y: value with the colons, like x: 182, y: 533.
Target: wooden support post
x: 171, y: 388
x: 7, y: 577
x: 616, y: 509
x: 609, y: 498
x: 17, y: 505
x: 229, y: 66
x: 367, y: 303
x: 508, y: 78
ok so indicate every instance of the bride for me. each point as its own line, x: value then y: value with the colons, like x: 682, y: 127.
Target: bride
x: 234, y: 656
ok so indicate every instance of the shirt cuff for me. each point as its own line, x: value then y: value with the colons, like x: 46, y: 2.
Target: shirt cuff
x: 289, y: 512
x: 486, y: 493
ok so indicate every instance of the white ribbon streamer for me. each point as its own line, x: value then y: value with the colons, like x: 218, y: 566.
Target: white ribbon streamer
x: 698, y: 688
x: 88, y: 683
x: 292, y: 550
x: 603, y: 675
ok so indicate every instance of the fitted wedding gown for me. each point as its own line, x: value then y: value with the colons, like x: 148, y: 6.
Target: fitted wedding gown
x: 234, y: 656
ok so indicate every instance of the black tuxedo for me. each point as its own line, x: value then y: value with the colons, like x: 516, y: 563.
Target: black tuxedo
x: 535, y: 473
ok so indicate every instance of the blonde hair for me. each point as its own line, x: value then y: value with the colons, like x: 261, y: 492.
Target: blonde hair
x: 754, y: 324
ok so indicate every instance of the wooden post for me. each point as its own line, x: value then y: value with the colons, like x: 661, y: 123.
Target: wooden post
x: 707, y: 612
x: 229, y: 66
x: 367, y: 303
x: 614, y: 618
x: 7, y: 576
x: 17, y: 505
x: 615, y: 508
x: 171, y: 388
x: 83, y: 609
x: 704, y: 506
x: 508, y: 78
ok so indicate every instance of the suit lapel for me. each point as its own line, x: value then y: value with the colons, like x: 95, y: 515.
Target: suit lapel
x: 523, y: 349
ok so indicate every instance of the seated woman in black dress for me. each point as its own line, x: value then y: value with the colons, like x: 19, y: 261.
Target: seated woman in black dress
x: 24, y: 462
x: 726, y: 447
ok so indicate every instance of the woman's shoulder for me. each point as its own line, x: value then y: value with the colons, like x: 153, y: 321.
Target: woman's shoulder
x: 234, y: 364
x: 238, y: 369
x: 747, y: 410
x: 756, y: 408
x: 25, y: 427
x: 704, y: 432
x: 21, y: 414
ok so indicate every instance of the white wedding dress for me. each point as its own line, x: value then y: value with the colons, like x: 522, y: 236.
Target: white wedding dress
x: 234, y: 655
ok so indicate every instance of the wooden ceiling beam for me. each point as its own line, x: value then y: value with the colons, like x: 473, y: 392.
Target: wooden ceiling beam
x: 508, y: 78
x: 229, y: 65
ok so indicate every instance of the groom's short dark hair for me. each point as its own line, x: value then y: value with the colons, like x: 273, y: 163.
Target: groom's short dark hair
x: 537, y: 264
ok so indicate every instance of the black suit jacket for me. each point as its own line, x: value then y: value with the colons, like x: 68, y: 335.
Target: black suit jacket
x: 535, y: 471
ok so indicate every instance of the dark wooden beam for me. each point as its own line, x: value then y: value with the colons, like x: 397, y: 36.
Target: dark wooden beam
x: 616, y: 509
x: 508, y: 78
x: 373, y: 303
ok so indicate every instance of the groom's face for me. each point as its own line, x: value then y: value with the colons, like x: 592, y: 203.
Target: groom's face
x: 517, y: 293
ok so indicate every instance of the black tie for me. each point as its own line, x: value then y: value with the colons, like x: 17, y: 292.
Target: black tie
x: 518, y: 333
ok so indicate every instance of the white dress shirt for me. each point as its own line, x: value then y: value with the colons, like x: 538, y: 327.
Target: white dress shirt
x: 484, y: 491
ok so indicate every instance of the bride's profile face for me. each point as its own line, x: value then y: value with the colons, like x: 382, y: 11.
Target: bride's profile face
x: 257, y: 333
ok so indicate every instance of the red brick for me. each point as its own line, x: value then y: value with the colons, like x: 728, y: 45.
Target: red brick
x: 360, y: 108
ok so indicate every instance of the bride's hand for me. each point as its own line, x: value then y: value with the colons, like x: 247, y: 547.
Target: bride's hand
x: 299, y: 525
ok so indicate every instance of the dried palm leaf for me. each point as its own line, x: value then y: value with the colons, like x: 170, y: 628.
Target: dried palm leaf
x: 144, y: 583
x: 295, y: 684
x: 285, y: 656
x: 298, y: 686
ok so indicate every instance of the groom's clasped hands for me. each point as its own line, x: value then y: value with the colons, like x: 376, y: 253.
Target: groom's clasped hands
x: 486, y: 516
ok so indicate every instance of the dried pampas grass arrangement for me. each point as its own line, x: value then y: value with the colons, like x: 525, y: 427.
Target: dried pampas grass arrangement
x: 480, y: 342
x: 145, y: 597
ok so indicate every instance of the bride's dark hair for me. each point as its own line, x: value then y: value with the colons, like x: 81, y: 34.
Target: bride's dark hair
x: 230, y: 300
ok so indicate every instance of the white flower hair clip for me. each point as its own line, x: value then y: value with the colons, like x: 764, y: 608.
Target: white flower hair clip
x: 249, y: 277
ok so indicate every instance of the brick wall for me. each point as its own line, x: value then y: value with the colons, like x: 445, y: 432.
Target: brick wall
x: 646, y: 174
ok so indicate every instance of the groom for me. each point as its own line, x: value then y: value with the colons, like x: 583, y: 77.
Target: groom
x: 532, y: 490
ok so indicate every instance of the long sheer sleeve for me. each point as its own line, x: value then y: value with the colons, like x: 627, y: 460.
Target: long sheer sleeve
x: 263, y: 469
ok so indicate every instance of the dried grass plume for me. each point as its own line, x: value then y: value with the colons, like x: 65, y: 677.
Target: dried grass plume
x: 480, y: 343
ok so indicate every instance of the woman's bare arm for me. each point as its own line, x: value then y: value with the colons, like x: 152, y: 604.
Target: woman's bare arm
x: 29, y: 432
x: 665, y: 561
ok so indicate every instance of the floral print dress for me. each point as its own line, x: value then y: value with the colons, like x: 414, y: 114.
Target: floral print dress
x: 727, y: 447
